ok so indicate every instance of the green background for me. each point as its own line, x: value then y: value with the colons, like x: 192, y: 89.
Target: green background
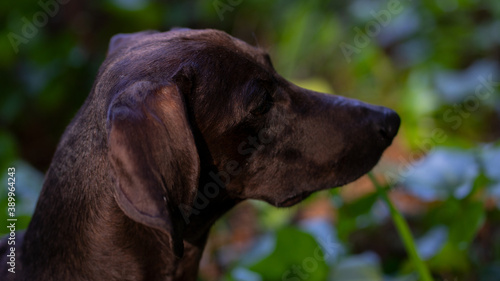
x: 437, y: 63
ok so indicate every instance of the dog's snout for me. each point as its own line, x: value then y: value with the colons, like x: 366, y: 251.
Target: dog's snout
x: 388, y: 124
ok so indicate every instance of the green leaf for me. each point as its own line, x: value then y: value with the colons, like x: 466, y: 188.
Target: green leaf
x: 466, y: 224
x: 297, y: 256
x: 348, y: 213
x: 463, y: 218
x: 450, y: 258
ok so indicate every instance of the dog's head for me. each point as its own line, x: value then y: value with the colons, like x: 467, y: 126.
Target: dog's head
x: 186, y: 102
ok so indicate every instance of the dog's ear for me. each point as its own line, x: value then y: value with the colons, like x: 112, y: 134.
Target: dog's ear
x: 153, y: 155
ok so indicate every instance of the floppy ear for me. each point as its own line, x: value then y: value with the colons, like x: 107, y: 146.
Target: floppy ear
x: 154, y: 157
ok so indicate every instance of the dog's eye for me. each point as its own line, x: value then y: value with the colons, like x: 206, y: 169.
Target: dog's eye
x: 264, y: 105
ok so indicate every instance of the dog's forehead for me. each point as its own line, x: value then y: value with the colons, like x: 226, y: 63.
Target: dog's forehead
x: 201, y: 37
x: 218, y: 38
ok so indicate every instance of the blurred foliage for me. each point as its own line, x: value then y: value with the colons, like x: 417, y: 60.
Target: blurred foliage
x: 435, y: 62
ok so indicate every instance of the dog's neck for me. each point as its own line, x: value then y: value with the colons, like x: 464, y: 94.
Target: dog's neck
x: 110, y: 245
x: 101, y: 240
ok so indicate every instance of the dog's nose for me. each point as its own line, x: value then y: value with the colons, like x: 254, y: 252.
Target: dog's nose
x: 389, y: 124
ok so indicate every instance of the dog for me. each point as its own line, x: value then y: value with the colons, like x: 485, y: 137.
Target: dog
x: 178, y: 128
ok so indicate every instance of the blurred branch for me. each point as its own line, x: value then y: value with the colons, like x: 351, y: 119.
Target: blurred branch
x: 404, y: 232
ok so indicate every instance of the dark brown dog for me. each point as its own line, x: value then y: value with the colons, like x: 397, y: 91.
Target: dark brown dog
x: 178, y: 128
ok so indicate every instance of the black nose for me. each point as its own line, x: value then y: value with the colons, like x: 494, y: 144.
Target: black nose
x: 389, y: 124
